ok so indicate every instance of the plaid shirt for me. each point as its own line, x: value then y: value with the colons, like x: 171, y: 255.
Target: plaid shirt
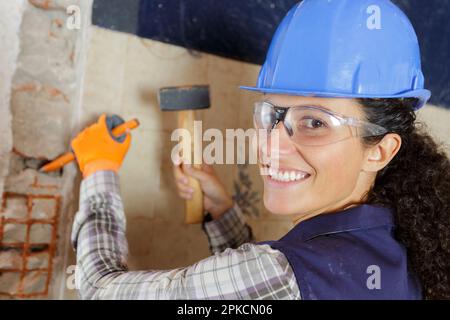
x: 237, y: 270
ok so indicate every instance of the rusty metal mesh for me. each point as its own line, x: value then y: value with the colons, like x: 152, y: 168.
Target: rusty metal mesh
x: 28, y: 240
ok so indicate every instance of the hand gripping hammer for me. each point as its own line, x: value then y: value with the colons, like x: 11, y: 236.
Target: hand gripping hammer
x: 185, y: 100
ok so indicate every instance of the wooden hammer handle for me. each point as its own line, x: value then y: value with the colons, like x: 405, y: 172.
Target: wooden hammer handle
x: 194, y: 206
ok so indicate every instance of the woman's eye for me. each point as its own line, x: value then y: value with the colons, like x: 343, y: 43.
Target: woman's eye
x: 312, y: 123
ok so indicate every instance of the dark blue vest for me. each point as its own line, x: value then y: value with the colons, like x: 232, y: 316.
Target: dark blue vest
x: 350, y: 254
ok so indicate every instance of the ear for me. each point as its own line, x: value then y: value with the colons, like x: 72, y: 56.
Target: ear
x: 379, y: 155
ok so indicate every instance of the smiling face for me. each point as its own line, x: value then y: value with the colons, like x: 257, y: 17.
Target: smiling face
x: 322, y: 178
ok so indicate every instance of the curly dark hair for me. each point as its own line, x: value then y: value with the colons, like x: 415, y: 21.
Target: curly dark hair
x: 416, y: 186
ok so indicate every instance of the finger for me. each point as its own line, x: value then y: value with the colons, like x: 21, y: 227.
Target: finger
x: 102, y: 119
x: 176, y: 159
x: 179, y: 174
x: 195, y: 173
x: 127, y: 142
x: 207, y: 168
x: 186, y: 196
x: 185, y: 188
x: 184, y: 182
x: 113, y: 122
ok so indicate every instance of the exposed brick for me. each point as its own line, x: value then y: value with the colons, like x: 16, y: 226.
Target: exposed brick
x: 10, y: 259
x: 16, y: 163
x: 16, y: 208
x: 35, y: 126
x: 21, y: 182
x: 43, y: 208
x: 52, y: 4
x: 32, y: 182
x: 34, y: 282
x: 43, y: 4
x: 14, y: 233
x: 40, y: 128
x: 38, y: 261
x: 41, y: 233
x: 9, y: 282
x: 45, y: 51
x: 11, y: 18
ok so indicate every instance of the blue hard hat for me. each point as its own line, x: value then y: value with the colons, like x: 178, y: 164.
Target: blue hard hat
x: 344, y: 48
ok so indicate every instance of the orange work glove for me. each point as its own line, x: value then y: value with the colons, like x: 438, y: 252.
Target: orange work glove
x: 96, y: 148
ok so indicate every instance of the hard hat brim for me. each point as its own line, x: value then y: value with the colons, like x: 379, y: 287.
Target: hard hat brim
x: 422, y: 94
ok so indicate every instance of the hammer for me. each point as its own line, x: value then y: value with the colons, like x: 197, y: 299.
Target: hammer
x: 185, y: 100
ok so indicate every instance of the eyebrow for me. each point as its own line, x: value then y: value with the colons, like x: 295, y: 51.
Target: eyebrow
x: 300, y: 105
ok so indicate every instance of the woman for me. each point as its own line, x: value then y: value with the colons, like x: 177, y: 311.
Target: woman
x: 367, y: 188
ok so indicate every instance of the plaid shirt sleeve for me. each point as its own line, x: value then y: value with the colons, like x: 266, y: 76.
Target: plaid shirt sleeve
x: 250, y: 271
x: 228, y: 231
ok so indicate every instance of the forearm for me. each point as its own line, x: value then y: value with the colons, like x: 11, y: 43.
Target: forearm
x: 101, y: 246
x: 98, y: 234
x: 101, y: 266
x: 228, y: 231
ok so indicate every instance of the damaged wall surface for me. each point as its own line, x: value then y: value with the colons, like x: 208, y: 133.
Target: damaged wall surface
x: 40, y: 115
x: 10, y: 19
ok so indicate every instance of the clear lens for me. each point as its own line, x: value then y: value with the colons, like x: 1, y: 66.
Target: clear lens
x: 313, y: 126
x: 264, y: 115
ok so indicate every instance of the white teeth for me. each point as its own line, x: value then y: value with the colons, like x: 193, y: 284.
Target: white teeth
x: 271, y: 171
x: 292, y: 176
x: 286, y: 175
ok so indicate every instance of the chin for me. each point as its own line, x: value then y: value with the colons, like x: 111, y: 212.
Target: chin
x: 286, y: 201
x: 286, y: 196
x: 280, y: 207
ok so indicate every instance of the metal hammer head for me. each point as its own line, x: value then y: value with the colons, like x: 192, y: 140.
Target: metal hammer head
x: 184, y: 98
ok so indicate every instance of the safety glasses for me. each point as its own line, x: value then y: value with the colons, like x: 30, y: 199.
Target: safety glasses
x: 312, y: 125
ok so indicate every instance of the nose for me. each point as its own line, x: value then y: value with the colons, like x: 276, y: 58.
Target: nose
x: 278, y: 144
x: 284, y: 143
